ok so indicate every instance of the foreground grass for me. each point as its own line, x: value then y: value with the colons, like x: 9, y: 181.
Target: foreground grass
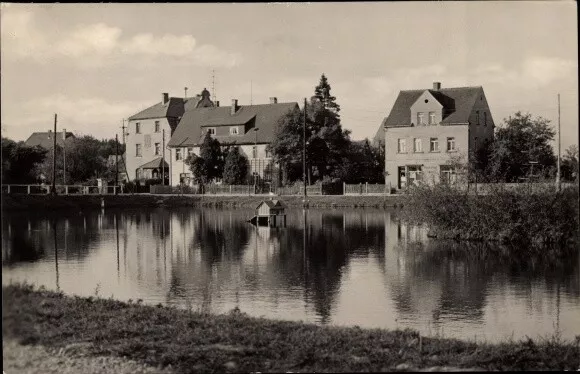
x: 193, y: 342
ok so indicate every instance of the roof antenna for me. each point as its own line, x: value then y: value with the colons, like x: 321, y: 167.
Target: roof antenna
x: 213, y: 84
x: 185, y: 92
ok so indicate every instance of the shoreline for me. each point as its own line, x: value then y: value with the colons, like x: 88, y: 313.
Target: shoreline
x: 17, y: 202
x: 191, y: 342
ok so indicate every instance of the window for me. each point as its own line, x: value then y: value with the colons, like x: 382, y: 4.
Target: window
x: 450, y: 144
x: 417, y: 145
x: 189, y: 151
x: 268, y: 154
x: 420, y: 119
x: 254, y: 152
x: 178, y: 155
x: 184, y: 178
x: 234, y: 130
x: 137, y: 128
x: 157, y: 127
x: 402, y: 146
x: 477, y: 117
x: 431, y: 118
x: 484, y: 118
x: 434, y: 145
x: 138, y: 150
x: 447, y: 174
x: 157, y: 149
x: 211, y: 130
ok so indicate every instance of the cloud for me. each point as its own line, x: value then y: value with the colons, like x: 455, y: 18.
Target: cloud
x: 91, y: 116
x: 544, y: 70
x: 96, y: 45
x: 92, y: 39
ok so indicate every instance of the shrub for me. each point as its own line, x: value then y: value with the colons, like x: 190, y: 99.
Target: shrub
x: 545, y: 216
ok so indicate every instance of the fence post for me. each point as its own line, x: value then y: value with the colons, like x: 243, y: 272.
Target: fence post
x: 367, y: 186
x: 8, y: 188
x: 66, y: 190
x: 28, y: 189
x: 230, y: 189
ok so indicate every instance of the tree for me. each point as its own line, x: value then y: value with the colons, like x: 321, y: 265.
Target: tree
x: 363, y: 163
x: 569, y: 164
x: 20, y: 162
x: 326, y: 141
x: 322, y: 93
x: 86, y: 159
x: 236, y: 167
x: 521, y: 140
x: 209, y: 165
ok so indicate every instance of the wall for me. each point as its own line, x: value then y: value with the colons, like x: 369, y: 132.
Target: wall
x: 148, y: 153
x: 432, y: 105
x: 178, y: 167
x: 481, y: 131
x: 429, y: 160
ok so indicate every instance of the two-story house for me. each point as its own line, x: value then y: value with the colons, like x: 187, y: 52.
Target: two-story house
x: 251, y: 127
x: 148, y: 131
x: 428, y: 129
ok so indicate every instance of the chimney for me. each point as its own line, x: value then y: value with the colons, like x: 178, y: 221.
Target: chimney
x: 234, y: 107
x: 436, y: 86
x: 273, y: 100
x: 165, y: 98
x: 216, y: 104
x: 64, y: 134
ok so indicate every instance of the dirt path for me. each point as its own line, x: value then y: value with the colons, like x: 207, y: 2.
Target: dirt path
x: 29, y: 359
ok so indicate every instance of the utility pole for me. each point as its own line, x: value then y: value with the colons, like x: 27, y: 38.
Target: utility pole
x: 558, y: 183
x: 163, y: 161
x: 304, y: 149
x: 123, y: 127
x: 63, y: 156
x: 54, y: 159
x: 117, y: 164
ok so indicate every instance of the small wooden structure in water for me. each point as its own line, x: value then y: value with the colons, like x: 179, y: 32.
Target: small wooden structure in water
x: 270, y: 213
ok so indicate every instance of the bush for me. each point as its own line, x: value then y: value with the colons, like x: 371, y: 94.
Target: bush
x: 545, y: 216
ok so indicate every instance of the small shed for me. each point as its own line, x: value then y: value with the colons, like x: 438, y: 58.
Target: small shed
x: 270, y: 212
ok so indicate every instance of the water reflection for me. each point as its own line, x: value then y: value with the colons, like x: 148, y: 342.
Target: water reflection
x: 339, y: 267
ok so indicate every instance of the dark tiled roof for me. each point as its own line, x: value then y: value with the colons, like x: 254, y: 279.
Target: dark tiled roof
x: 264, y: 117
x: 174, y: 108
x: 154, y: 164
x: 458, y: 100
x: 458, y: 103
x: 42, y: 139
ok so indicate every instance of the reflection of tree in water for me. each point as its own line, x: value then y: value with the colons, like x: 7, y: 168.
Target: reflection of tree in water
x: 32, y: 236
x: 330, y: 243
x: 220, y: 238
x: 458, y: 274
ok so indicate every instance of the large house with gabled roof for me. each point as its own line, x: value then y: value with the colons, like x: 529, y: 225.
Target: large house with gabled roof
x: 151, y: 128
x: 251, y: 127
x: 428, y: 129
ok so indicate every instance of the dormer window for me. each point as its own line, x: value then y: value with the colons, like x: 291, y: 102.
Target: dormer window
x: 420, y: 118
x: 234, y: 130
x: 211, y: 130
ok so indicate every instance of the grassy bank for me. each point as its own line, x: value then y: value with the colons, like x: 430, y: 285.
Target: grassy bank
x: 541, y: 217
x: 38, y: 202
x: 192, y: 342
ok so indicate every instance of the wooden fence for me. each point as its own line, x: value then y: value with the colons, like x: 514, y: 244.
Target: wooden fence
x: 36, y: 189
x: 365, y: 189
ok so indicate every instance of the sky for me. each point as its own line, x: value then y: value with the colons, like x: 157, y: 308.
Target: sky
x: 97, y: 64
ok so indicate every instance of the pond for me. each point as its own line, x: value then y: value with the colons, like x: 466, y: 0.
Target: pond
x: 340, y: 267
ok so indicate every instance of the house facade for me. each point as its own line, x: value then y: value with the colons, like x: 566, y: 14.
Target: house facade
x: 149, y: 130
x: 429, y: 131
x: 251, y: 127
